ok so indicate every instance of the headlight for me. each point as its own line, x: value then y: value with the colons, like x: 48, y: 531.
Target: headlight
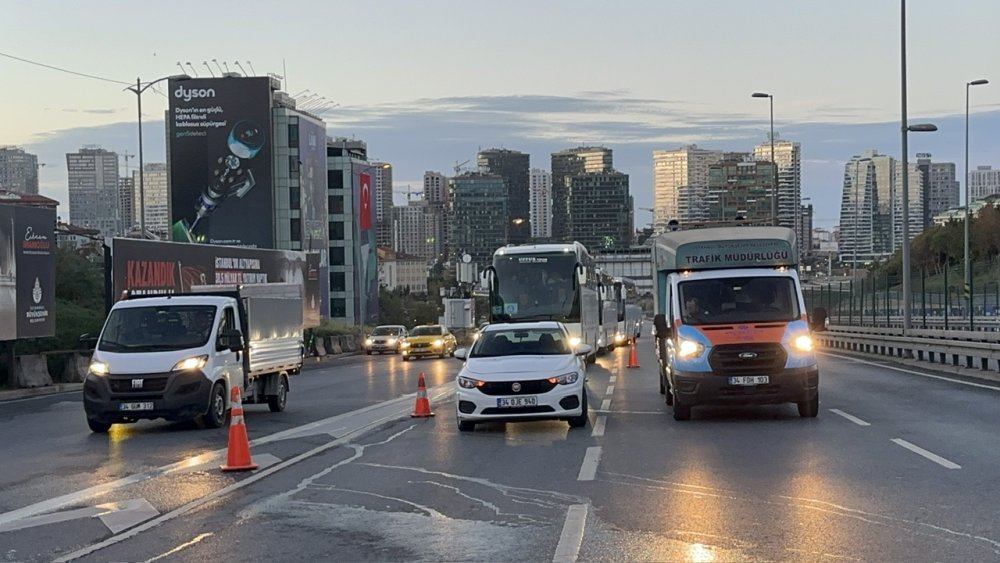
x: 469, y: 383
x: 196, y: 362
x: 368, y: 341
x: 564, y: 379
x: 574, y: 342
x: 99, y: 368
x: 619, y: 337
x: 690, y: 349
x: 803, y: 343
x: 438, y: 343
x: 404, y: 344
x: 392, y: 341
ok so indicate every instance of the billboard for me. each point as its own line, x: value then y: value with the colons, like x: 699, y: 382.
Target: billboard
x: 149, y: 267
x: 27, y: 272
x: 313, y: 199
x: 365, y: 246
x: 220, y: 161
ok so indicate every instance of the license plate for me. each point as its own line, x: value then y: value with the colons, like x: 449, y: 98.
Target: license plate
x: 517, y: 402
x: 749, y: 380
x: 148, y: 406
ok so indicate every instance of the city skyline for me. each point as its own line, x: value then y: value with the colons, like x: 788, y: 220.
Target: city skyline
x: 527, y: 102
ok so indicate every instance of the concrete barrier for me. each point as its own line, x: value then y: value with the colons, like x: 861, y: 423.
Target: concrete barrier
x: 335, y: 345
x: 349, y: 343
x: 77, y: 366
x: 32, y: 371
x: 320, y: 347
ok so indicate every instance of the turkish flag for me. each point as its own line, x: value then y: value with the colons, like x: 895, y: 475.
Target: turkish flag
x: 365, y: 219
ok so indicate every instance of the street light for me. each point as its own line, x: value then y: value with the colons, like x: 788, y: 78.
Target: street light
x: 138, y: 89
x: 968, y: 200
x: 774, y: 180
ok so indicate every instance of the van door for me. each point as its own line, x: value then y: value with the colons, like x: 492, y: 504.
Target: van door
x: 230, y: 364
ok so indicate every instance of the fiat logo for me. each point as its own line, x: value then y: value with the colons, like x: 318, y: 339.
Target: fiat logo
x: 516, y: 387
x: 748, y: 355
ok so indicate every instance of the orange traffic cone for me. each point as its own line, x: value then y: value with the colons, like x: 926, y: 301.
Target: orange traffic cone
x: 633, y: 357
x: 238, y: 457
x: 423, y: 408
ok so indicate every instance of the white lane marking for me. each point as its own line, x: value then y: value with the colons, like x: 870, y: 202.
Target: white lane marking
x: 181, y: 547
x: 590, y: 461
x: 568, y: 548
x: 912, y: 372
x: 599, y: 425
x: 929, y: 455
x: 263, y: 461
x: 850, y: 417
x: 605, y: 404
x: 117, y: 516
x: 42, y: 396
x: 613, y: 379
x: 312, y: 429
x: 610, y: 391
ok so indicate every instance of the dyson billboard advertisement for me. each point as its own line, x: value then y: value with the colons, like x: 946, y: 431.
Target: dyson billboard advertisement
x: 220, y: 161
x: 27, y: 272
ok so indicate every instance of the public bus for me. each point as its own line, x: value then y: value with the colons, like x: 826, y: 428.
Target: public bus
x: 557, y: 282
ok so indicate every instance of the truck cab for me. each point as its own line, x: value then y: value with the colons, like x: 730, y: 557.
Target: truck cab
x: 731, y: 320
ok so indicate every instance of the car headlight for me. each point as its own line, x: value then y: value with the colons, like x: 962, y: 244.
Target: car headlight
x: 469, y: 383
x: 392, y: 341
x: 196, y: 362
x: 368, y: 341
x: 404, y: 344
x: 803, y: 343
x: 690, y: 349
x: 438, y: 343
x: 619, y: 337
x: 564, y: 379
x: 99, y: 368
x: 574, y: 342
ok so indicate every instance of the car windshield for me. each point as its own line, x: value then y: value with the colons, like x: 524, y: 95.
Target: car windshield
x: 521, y: 342
x: 142, y: 329
x: 426, y: 331
x: 386, y: 331
x: 738, y: 300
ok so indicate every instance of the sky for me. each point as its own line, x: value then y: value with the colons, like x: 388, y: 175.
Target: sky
x: 428, y: 84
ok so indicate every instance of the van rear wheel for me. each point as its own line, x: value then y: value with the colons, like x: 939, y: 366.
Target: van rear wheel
x: 277, y: 402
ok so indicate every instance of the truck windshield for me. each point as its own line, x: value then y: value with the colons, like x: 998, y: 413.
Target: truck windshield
x: 738, y: 300
x: 535, y: 287
x: 144, y: 329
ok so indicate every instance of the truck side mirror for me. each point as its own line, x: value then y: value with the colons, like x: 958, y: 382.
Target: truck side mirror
x: 819, y: 317
x: 88, y: 342
x: 231, y: 340
x: 660, y: 327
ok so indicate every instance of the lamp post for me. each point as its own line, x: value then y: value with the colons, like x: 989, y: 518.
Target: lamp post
x: 774, y: 165
x: 904, y: 131
x: 968, y: 200
x: 138, y: 89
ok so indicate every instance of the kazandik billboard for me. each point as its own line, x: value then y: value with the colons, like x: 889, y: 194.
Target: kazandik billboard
x: 148, y: 267
x: 27, y: 272
x: 220, y: 161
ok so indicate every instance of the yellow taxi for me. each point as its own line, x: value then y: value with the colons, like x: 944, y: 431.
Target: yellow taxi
x: 428, y: 340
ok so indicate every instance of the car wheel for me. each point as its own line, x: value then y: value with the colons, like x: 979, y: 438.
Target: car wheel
x: 682, y: 412
x: 369, y: 352
x: 810, y: 408
x: 580, y: 421
x: 663, y: 387
x: 98, y: 427
x: 465, y: 425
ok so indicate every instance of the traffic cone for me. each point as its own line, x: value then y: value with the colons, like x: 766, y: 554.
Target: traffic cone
x: 423, y: 408
x: 238, y: 457
x: 633, y: 357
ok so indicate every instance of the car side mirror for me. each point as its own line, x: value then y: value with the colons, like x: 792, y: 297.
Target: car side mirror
x: 461, y: 354
x: 231, y: 340
x: 88, y: 342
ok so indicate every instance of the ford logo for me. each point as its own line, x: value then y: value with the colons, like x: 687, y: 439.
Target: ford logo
x: 748, y: 355
x: 515, y: 387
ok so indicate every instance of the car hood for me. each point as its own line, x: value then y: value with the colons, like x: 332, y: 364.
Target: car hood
x: 431, y: 338
x: 502, y: 368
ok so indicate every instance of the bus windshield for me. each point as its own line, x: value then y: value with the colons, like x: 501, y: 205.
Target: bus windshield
x: 738, y: 300
x: 535, y: 287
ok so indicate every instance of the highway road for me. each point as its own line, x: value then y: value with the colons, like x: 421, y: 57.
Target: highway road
x: 900, y: 465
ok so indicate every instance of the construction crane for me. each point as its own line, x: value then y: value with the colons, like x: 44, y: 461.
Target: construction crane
x: 409, y: 192
x: 458, y: 167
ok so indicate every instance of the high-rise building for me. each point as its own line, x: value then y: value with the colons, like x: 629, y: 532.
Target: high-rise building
x: 680, y: 184
x: 383, y: 202
x: 126, y: 197
x: 805, y: 233
x: 940, y: 186
x: 600, y: 210
x: 435, y: 187
x: 417, y: 230
x: 156, y: 197
x: 437, y: 194
x: 478, y: 215
x: 540, y: 207
x: 94, y: 191
x: 788, y: 157
x: 983, y: 181
x: 513, y: 167
x: 565, y: 164
x: 738, y: 189
x: 18, y: 171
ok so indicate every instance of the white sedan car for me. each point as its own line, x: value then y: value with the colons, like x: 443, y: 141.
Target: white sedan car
x: 522, y: 371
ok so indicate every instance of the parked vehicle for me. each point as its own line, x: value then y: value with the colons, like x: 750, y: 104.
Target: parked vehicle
x: 385, y: 338
x: 429, y: 340
x: 178, y: 356
x: 522, y: 371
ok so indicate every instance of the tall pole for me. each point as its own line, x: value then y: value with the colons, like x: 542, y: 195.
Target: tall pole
x: 906, y: 186
x: 774, y: 165
x: 142, y: 186
x: 968, y: 200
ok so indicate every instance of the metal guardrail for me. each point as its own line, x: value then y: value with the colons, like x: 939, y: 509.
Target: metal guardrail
x: 974, y: 350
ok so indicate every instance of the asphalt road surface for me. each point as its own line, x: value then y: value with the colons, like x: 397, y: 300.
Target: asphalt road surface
x: 901, y: 465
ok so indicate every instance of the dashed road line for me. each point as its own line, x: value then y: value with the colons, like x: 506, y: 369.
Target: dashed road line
x: 610, y: 391
x: 929, y: 455
x: 590, y: 461
x: 613, y: 379
x: 850, y: 417
x: 605, y: 404
x: 568, y: 548
x: 599, y: 425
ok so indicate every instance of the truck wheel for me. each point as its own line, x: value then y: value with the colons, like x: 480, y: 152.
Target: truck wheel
x: 277, y: 402
x: 682, y: 412
x: 217, y: 412
x: 369, y: 352
x: 98, y: 427
x: 663, y: 387
x: 810, y: 408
